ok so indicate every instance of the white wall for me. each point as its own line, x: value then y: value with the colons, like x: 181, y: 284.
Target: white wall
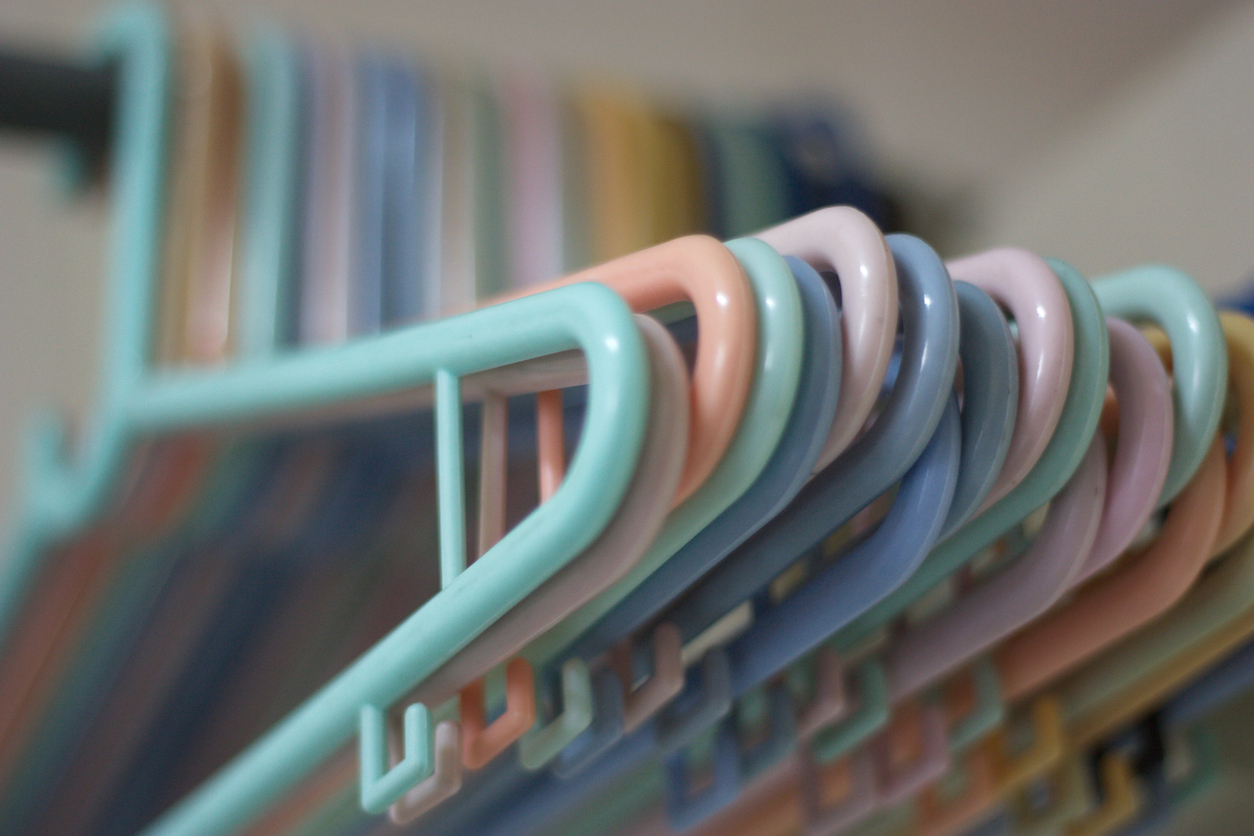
x: 1162, y: 171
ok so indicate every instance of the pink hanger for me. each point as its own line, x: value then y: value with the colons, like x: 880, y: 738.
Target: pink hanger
x: 1022, y: 282
x: 841, y: 239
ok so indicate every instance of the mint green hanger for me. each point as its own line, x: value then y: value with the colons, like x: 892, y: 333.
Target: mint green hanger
x: 137, y: 404
x: 1168, y: 298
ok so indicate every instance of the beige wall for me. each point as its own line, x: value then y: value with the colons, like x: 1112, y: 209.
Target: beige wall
x: 1163, y: 171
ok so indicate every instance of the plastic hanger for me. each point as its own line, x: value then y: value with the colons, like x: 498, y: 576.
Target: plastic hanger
x: 844, y: 241
x: 1089, y: 479
x: 1024, y: 284
x: 640, y: 515
x: 1191, y: 507
x: 1061, y: 457
x: 879, y: 458
x: 264, y: 273
x: 781, y: 311
x: 750, y: 175
x: 1017, y: 648
x: 851, y: 241
x: 748, y: 453
x: 673, y: 733
x: 1216, y: 598
x: 1130, y: 356
x: 1171, y: 299
x: 982, y: 616
x: 535, y: 184
x: 1116, y: 604
x: 617, y: 184
x: 327, y: 257
x: 777, y: 325
x: 990, y: 394
x: 409, y: 253
x: 553, y: 599
x: 1087, y: 735
x: 365, y: 302
x: 279, y: 588
x: 169, y: 480
x: 549, y: 616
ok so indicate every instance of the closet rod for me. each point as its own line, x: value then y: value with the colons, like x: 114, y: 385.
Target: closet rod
x: 50, y: 97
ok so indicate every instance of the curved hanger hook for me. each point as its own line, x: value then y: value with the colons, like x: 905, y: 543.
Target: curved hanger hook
x: 606, y: 728
x: 642, y: 700
x: 703, y: 271
x: 1143, y: 446
x: 990, y: 400
x: 1173, y: 301
x: 444, y: 782
x: 1023, y: 282
x: 856, y: 775
x: 843, y: 240
x: 542, y: 743
x: 481, y: 742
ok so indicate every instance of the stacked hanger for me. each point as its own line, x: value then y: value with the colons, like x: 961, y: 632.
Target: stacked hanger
x: 805, y: 532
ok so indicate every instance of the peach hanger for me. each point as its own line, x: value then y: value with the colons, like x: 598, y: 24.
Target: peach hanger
x: 700, y: 270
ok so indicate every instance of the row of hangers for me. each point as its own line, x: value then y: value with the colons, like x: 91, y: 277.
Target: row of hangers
x: 843, y: 538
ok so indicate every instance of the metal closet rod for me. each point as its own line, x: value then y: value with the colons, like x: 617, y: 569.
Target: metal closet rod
x: 56, y: 98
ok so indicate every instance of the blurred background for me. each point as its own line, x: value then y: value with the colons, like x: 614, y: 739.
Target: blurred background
x: 1105, y: 132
